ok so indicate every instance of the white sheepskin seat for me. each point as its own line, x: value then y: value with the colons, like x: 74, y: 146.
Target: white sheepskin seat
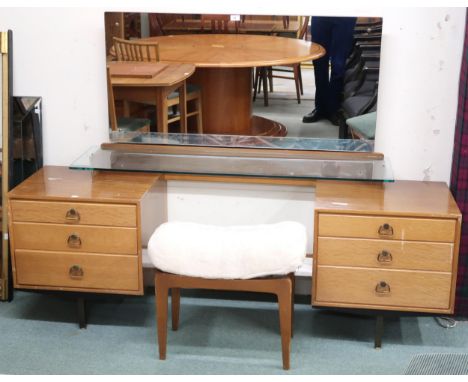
x: 237, y: 252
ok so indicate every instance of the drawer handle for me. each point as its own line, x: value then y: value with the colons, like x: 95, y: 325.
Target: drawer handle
x: 382, y: 289
x: 74, y: 241
x: 76, y: 272
x: 72, y: 215
x: 386, y: 230
x: 384, y: 257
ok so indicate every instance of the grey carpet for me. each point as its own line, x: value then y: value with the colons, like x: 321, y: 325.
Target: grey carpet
x: 438, y: 364
x: 39, y: 335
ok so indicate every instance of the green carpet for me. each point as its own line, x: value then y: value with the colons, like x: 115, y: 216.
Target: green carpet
x: 39, y: 335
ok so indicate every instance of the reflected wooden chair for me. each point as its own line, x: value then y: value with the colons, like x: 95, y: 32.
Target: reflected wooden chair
x: 265, y: 75
x: 123, y: 124
x: 157, y: 21
x: 145, y: 51
x: 219, y: 23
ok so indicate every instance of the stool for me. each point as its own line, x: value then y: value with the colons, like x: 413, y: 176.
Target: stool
x: 259, y: 258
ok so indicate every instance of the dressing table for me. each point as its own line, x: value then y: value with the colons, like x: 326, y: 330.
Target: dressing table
x: 379, y: 244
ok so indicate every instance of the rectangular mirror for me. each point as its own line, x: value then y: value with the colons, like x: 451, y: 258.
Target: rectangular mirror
x: 243, y: 75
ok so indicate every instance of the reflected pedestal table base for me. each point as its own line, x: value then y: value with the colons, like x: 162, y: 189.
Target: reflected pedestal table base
x: 227, y: 103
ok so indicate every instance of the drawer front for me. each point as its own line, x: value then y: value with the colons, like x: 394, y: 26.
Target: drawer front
x: 390, y: 228
x: 77, y: 270
x: 385, y: 254
x: 120, y: 215
x: 55, y: 237
x: 411, y: 290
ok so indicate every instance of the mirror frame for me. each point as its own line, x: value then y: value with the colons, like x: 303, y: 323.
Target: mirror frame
x: 7, y: 113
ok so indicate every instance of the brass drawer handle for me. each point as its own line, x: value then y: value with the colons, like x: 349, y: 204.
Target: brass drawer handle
x: 76, y: 272
x: 74, y: 241
x: 384, y: 257
x: 386, y: 230
x: 72, y: 215
x: 382, y: 289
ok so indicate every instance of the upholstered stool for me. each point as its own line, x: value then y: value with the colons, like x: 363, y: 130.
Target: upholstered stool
x: 260, y: 258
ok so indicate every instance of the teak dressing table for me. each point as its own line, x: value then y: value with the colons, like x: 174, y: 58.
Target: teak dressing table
x: 384, y: 246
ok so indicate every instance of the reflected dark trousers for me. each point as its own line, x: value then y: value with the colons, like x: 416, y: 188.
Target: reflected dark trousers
x: 335, y: 34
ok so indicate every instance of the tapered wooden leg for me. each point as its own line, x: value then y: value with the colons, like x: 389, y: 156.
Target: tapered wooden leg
x: 161, y: 111
x: 284, y: 303
x: 296, y: 81
x: 270, y: 77
x: 126, y: 109
x: 265, y: 86
x: 198, y: 105
x: 255, y: 83
x: 300, y: 79
x: 293, y: 289
x: 183, y: 107
x: 175, y: 304
x: 161, y: 313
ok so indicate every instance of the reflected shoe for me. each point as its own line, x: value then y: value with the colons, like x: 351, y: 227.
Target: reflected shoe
x: 335, y: 118
x: 313, y: 116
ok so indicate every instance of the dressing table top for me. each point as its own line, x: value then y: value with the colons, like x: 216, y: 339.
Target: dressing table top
x: 428, y: 199
x: 55, y: 183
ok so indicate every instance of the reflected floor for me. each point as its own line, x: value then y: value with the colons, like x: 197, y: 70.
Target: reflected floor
x: 283, y: 108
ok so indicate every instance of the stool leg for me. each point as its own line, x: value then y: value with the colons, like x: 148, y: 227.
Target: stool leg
x: 284, y: 303
x: 293, y: 289
x: 161, y: 290
x: 175, y: 303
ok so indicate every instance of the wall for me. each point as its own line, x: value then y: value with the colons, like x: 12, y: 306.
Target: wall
x: 419, y: 89
x: 59, y: 55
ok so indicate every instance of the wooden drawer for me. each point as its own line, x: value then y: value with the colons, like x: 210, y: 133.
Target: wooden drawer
x: 335, y: 225
x: 356, y: 287
x: 93, y: 271
x: 59, y: 237
x: 385, y: 254
x: 119, y: 215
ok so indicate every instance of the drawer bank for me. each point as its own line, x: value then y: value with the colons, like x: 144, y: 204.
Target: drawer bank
x: 377, y: 246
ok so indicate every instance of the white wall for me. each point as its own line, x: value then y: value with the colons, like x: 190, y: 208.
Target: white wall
x: 59, y: 55
x: 418, y: 91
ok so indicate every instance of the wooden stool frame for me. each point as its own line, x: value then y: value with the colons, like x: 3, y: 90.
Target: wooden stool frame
x: 282, y: 287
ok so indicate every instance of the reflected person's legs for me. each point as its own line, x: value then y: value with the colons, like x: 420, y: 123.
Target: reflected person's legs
x: 321, y: 34
x: 339, y: 50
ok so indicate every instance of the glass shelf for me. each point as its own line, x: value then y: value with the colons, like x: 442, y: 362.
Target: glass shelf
x: 116, y: 160
x: 243, y: 141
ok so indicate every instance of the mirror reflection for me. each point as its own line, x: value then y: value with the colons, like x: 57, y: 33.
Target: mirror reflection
x: 276, y: 76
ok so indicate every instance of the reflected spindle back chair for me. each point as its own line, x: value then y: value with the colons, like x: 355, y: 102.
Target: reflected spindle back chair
x: 123, y: 124
x: 219, y: 23
x: 135, y: 50
x: 148, y: 51
x: 268, y: 72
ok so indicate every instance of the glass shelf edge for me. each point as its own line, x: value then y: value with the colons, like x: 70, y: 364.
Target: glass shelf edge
x: 280, y: 168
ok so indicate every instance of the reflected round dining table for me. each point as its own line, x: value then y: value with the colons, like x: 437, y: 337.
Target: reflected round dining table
x: 224, y: 64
